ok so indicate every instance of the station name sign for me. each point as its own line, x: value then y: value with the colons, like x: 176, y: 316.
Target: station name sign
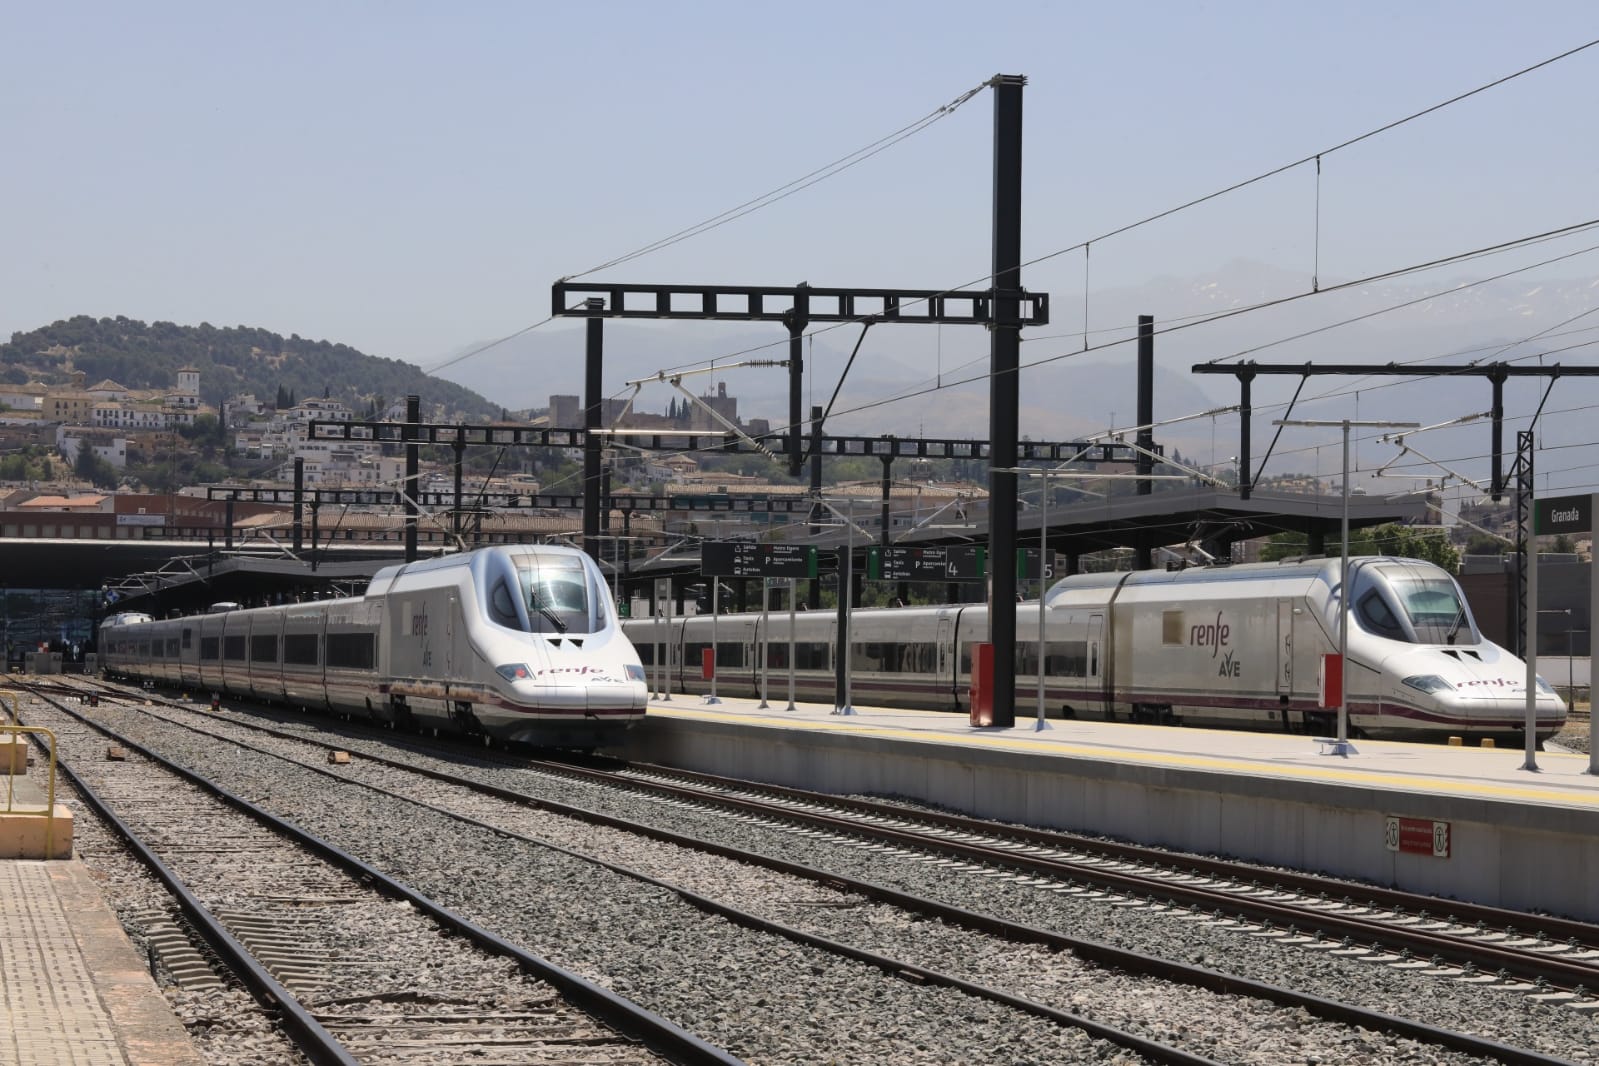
x: 719, y: 558
x: 1563, y: 514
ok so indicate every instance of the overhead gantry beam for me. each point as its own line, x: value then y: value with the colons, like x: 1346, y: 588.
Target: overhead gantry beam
x: 448, y: 433
x: 796, y: 307
x: 1495, y: 373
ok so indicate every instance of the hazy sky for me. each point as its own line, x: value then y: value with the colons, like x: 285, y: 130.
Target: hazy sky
x: 410, y: 178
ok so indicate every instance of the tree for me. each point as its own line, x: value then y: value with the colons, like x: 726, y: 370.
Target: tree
x: 1485, y: 544
x: 1409, y: 542
x: 93, y: 469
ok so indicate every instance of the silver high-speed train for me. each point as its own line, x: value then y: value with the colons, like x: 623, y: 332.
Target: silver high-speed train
x: 1234, y: 646
x: 515, y: 642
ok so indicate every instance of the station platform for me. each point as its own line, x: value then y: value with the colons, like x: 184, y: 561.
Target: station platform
x: 1461, y: 822
x: 74, y: 989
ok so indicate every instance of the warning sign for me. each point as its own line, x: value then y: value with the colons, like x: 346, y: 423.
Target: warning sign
x: 1417, y: 836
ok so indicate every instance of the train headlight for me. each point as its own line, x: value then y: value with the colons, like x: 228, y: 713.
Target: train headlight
x: 1429, y: 683
x: 635, y: 672
x: 514, y: 672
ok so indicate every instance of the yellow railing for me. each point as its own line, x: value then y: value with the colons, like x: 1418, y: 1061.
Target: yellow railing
x: 17, y: 733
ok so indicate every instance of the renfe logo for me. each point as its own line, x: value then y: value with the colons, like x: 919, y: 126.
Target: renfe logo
x: 1212, y: 635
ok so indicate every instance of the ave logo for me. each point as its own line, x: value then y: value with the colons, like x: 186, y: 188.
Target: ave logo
x: 1230, y: 667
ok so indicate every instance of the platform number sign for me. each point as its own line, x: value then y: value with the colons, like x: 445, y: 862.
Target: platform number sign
x: 1417, y: 836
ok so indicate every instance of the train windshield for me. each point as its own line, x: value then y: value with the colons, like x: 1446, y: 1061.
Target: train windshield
x: 1420, y: 605
x: 556, y: 594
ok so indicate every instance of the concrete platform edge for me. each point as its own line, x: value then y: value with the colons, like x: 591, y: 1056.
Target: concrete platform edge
x: 1502, y: 851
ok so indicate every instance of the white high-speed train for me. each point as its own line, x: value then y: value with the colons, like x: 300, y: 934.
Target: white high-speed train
x: 516, y: 642
x: 1234, y: 646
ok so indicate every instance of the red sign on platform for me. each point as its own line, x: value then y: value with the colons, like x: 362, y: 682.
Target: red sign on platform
x: 1417, y: 836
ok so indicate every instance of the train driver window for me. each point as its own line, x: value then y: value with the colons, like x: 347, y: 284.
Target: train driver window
x: 1376, y: 616
x: 502, y: 609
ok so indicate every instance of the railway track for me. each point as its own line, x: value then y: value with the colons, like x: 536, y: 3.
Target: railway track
x: 974, y: 849
x: 1556, y: 958
x: 318, y: 938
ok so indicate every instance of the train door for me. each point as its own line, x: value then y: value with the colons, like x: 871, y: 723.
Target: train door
x: 946, y: 660
x: 1095, y: 669
x: 452, y: 608
x: 1285, y: 657
x: 1285, y: 647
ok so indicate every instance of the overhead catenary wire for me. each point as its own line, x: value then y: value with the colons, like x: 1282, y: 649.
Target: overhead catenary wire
x: 480, y: 349
x: 1234, y: 312
x: 1202, y: 319
x: 782, y: 192
x: 888, y: 140
x: 1315, y: 156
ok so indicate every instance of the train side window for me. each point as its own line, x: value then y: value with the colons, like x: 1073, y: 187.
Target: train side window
x: 1171, y: 627
x: 1067, y: 658
x: 646, y: 652
x: 812, y: 655
x: 233, y: 648
x: 299, y: 649
x: 210, y: 649
x: 172, y: 647
x: 351, y: 651
x: 1376, y: 616
x: 188, y: 636
x: 729, y: 655
x: 264, y: 649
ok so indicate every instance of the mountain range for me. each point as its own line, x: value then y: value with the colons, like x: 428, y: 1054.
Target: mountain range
x: 931, y: 380
x: 1066, y: 392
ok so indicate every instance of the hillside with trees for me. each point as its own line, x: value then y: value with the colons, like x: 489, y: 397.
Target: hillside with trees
x: 231, y: 360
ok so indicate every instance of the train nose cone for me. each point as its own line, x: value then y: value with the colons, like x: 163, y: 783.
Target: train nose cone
x: 616, y: 695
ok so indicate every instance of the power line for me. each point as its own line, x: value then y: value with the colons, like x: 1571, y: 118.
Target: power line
x: 431, y: 370
x: 1230, y: 188
x: 1314, y: 156
x: 783, y: 192
x: 1234, y: 312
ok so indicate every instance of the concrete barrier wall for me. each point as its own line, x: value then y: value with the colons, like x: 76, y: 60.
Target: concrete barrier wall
x: 1509, y: 854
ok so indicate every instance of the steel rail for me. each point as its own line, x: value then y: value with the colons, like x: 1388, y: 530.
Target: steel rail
x: 1534, y: 966
x: 656, y: 1032
x: 1374, y: 895
x: 1152, y: 1049
x: 302, y: 1029
x: 1096, y: 951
